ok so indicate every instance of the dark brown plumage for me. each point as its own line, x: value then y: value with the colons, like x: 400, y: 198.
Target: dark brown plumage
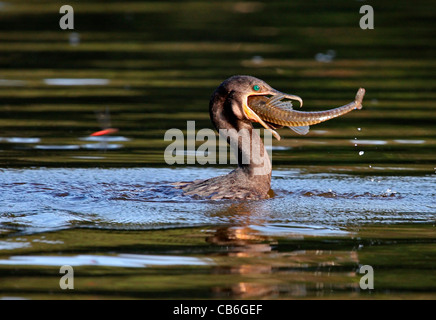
x: 227, y: 107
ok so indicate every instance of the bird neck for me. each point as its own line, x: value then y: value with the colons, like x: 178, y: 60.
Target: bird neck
x: 248, y: 146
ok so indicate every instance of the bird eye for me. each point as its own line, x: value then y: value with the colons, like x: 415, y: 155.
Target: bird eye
x: 256, y: 88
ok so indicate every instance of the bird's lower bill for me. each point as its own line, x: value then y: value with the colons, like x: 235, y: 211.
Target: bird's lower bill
x: 250, y: 114
x: 253, y: 116
x: 253, y: 100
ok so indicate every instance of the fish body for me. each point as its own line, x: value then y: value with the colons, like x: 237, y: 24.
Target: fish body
x: 278, y: 112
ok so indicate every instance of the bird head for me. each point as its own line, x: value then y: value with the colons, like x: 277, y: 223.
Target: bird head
x: 241, y: 87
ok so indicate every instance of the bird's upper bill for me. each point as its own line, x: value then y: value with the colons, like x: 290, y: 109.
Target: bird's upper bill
x: 261, y: 97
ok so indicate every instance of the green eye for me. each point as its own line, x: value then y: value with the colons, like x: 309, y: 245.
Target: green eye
x: 256, y: 88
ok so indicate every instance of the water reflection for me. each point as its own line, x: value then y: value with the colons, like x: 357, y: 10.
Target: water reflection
x: 369, y: 142
x: 54, y: 147
x: 264, y: 271
x: 76, y: 82
x: 232, y: 261
x: 20, y: 140
x: 122, y: 260
x: 102, y: 145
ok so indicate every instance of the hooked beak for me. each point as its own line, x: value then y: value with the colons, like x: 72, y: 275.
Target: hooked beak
x: 251, y: 115
x: 275, y: 92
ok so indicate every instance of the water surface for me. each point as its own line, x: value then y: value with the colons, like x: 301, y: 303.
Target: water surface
x: 358, y: 190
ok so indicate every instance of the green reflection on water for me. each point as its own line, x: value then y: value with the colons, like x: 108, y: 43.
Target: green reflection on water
x: 242, y: 264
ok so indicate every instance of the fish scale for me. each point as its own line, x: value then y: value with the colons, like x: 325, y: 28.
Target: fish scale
x: 280, y: 112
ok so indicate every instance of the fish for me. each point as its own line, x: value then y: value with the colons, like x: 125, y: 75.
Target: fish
x: 275, y: 112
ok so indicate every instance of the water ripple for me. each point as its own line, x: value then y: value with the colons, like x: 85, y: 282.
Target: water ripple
x: 121, y: 260
x: 143, y: 198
